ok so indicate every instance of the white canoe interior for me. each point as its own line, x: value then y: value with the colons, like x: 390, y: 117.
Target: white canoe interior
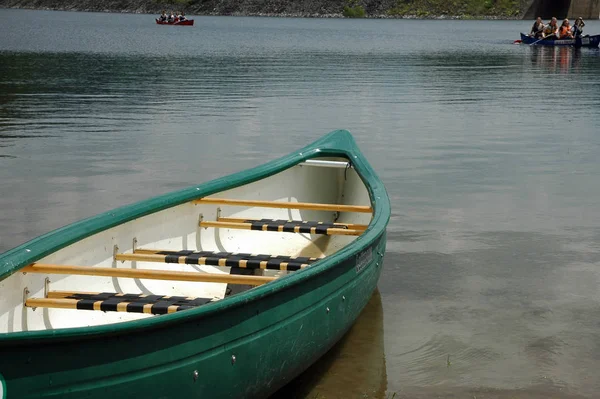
x: 143, y: 261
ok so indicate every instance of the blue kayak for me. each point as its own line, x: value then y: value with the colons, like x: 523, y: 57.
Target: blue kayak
x: 583, y: 41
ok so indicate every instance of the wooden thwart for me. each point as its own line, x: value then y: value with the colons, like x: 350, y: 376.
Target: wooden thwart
x: 116, y: 302
x: 64, y: 294
x: 225, y: 259
x: 286, y: 205
x: 146, y: 274
x: 284, y: 226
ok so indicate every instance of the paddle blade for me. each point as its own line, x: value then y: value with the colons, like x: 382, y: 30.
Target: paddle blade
x: 518, y: 41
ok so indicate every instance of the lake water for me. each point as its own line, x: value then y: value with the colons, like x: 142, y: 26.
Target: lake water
x: 489, y: 151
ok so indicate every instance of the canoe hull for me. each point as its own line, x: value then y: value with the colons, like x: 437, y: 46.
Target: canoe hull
x: 187, y: 22
x: 248, y: 345
x: 585, y: 41
x: 302, y: 323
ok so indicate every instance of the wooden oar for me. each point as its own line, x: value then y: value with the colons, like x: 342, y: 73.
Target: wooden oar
x: 543, y: 38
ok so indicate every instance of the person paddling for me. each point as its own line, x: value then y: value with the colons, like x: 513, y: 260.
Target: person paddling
x: 578, y: 27
x: 537, y: 30
x: 163, y: 16
x: 565, y: 30
x: 552, y: 28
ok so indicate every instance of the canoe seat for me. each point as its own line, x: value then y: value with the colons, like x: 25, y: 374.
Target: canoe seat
x: 115, y: 302
x: 286, y: 226
x: 230, y: 259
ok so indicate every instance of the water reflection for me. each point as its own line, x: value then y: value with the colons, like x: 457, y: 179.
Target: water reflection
x: 353, y: 368
x: 497, y: 309
x: 561, y: 59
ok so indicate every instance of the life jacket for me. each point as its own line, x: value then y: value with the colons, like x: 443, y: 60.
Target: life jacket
x: 564, y: 31
x: 549, y: 29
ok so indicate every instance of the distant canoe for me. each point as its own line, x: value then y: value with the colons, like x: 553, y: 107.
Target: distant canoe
x: 584, y: 41
x: 187, y: 22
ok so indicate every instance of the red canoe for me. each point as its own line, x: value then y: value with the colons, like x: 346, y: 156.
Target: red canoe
x: 187, y: 22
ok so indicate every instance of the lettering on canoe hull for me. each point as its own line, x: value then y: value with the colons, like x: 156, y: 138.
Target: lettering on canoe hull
x: 363, y: 259
x: 566, y: 41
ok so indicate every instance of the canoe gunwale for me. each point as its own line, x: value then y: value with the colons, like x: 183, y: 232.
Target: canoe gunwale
x: 336, y: 144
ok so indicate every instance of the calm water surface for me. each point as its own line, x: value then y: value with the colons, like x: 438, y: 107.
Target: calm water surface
x: 489, y: 152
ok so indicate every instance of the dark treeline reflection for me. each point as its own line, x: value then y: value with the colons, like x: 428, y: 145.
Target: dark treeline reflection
x: 39, y: 86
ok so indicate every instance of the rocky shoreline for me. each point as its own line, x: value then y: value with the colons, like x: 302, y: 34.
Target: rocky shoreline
x: 375, y: 9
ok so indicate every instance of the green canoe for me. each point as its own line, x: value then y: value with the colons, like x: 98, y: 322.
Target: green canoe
x: 228, y: 289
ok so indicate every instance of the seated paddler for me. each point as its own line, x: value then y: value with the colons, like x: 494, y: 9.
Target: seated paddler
x: 551, y: 29
x: 564, y: 32
x: 537, y: 30
x: 578, y: 27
